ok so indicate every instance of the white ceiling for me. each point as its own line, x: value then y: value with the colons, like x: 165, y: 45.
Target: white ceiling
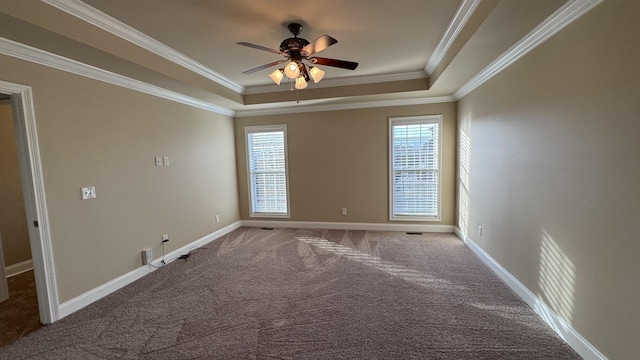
x: 430, y: 48
x: 397, y: 37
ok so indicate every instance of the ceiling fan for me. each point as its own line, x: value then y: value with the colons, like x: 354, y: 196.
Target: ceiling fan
x: 297, y: 51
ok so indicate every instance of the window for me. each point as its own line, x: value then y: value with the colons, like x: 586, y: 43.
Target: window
x: 414, y: 168
x: 267, y: 170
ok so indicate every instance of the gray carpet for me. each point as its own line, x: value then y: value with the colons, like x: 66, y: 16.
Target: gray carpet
x: 307, y: 294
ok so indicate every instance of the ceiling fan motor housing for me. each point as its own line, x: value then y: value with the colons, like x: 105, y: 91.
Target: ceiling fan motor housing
x: 293, y: 45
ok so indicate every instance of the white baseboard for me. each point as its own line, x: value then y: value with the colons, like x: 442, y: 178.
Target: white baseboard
x: 557, y: 323
x: 93, y: 295
x: 18, y: 268
x: 564, y: 330
x: 196, y: 244
x: 349, y: 226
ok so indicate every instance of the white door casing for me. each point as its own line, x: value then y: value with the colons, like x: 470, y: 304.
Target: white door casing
x: 34, y: 198
x: 4, y: 290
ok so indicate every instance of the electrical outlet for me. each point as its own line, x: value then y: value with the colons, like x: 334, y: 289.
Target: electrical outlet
x: 147, y: 256
x: 158, y: 160
x: 165, y: 161
x: 165, y: 238
x: 479, y: 230
x: 344, y: 211
x: 217, y: 218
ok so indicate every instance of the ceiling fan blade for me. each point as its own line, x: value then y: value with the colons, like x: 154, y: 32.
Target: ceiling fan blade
x: 318, y: 45
x: 261, y: 48
x: 251, y: 71
x: 350, y: 65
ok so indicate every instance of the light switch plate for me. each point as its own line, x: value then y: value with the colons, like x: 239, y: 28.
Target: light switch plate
x: 88, y: 192
x: 165, y: 161
x: 158, y: 160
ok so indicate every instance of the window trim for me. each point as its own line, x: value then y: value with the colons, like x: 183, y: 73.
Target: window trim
x: 407, y: 120
x: 267, y: 128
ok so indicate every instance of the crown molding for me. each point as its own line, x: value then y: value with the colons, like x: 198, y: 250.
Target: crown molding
x: 345, y: 81
x: 464, y: 12
x: 564, y: 16
x: 571, y: 11
x: 105, y: 22
x: 41, y: 57
x: 344, y: 106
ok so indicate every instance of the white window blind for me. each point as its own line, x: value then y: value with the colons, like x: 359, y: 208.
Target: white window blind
x: 267, y: 165
x: 414, y: 168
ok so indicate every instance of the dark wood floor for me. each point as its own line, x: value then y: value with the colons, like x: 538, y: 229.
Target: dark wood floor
x: 19, y: 315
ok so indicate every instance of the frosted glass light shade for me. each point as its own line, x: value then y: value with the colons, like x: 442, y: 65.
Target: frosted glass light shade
x: 291, y: 70
x: 300, y: 83
x: 316, y: 74
x: 276, y: 76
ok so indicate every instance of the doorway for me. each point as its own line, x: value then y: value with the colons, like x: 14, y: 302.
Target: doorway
x: 14, y: 235
x: 34, y: 199
x: 18, y: 297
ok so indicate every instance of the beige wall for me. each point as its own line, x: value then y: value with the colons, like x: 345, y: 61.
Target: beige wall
x: 13, y: 220
x: 554, y: 174
x: 95, y: 134
x: 340, y: 159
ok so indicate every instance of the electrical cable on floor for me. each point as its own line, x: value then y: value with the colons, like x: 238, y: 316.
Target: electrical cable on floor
x: 193, y: 250
x: 163, y: 261
x: 184, y: 257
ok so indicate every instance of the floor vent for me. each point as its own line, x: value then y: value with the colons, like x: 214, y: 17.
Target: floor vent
x: 414, y: 233
x: 266, y: 228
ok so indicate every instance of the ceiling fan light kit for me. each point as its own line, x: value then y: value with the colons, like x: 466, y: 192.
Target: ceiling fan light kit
x: 297, y: 50
x: 292, y: 70
x: 301, y: 83
x: 277, y: 76
x: 316, y: 73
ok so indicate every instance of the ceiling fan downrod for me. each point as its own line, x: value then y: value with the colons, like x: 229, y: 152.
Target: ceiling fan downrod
x: 295, y: 29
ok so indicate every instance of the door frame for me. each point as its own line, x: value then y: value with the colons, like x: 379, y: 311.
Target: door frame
x: 4, y: 289
x: 34, y: 198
